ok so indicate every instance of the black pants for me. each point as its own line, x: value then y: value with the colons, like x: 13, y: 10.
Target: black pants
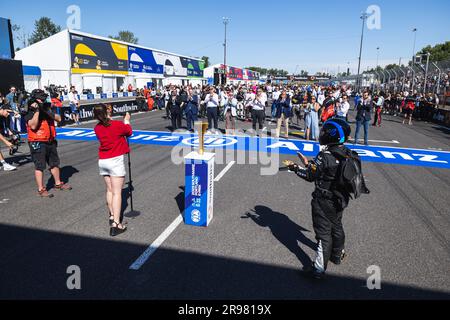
x: 212, y: 116
x: 330, y: 236
x: 43, y: 153
x: 176, y: 120
x: 258, y: 116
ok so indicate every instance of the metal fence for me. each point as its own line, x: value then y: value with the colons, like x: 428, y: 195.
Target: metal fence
x: 420, y: 78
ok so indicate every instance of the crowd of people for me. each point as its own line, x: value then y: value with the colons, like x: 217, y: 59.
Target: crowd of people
x: 303, y: 107
x: 248, y: 103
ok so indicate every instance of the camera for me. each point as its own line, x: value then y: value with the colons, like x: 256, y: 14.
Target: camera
x: 36, y: 95
x: 16, y: 140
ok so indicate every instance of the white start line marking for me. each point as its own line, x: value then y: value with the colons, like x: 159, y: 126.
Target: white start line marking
x: 136, y: 265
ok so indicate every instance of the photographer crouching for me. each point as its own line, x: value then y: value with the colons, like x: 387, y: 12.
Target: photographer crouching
x: 4, y: 115
x: 41, y: 131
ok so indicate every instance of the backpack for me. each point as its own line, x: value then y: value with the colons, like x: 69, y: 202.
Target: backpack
x: 350, y: 177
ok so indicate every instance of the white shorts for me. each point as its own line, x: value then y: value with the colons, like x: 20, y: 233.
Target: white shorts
x: 114, y: 167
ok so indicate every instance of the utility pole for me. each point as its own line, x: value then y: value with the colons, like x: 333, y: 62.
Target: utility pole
x: 363, y: 17
x: 225, y: 22
x: 413, y: 56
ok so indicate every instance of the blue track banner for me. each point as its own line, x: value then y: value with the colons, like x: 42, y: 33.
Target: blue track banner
x: 400, y: 156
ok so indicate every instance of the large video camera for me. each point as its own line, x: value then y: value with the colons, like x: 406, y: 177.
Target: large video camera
x: 40, y: 97
x: 55, y: 90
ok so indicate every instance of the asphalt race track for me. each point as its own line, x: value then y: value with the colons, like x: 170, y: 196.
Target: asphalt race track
x: 260, y: 237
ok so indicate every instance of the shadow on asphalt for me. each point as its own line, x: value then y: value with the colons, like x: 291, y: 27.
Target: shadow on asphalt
x: 34, y: 266
x: 284, y: 230
x: 65, y: 174
x: 180, y: 199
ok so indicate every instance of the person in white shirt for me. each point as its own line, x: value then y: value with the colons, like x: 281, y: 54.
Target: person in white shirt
x: 321, y: 98
x: 258, y: 109
x: 212, y: 103
x: 249, y: 97
x: 74, y: 105
x: 275, y: 96
x: 343, y: 107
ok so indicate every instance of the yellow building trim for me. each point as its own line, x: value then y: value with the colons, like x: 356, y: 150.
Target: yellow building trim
x: 82, y: 71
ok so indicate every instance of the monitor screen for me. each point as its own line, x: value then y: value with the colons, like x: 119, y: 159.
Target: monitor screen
x: 6, y: 43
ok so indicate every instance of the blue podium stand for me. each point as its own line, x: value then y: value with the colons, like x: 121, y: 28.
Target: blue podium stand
x: 199, y: 189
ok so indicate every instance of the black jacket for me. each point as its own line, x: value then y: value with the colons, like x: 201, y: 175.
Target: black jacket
x: 323, y: 171
x: 175, y: 107
x: 364, y: 110
x: 283, y: 108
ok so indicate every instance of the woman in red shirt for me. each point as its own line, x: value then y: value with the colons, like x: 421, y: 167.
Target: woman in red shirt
x: 113, y: 146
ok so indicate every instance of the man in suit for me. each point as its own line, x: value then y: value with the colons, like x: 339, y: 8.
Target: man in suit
x: 191, y: 109
x: 363, y: 116
x: 174, y: 105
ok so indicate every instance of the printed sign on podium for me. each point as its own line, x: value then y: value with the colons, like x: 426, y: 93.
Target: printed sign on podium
x: 199, y: 189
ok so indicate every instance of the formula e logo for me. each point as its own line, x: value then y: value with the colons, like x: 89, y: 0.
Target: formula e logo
x: 195, y: 216
x: 211, y: 142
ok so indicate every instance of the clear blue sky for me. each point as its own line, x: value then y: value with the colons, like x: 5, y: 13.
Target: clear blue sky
x: 309, y: 35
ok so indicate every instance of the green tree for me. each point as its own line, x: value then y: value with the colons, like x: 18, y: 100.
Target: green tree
x: 206, y: 60
x: 438, y: 52
x: 125, y: 36
x: 43, y: 28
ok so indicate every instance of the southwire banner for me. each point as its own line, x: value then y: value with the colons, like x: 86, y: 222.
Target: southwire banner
x: 400, y: 156
x: 87, y: 111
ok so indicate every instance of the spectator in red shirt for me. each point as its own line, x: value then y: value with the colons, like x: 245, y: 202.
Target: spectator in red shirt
x: 56, y: 105
x: 113, y: 146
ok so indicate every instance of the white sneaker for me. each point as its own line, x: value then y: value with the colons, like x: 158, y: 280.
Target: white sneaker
x: 8, y: 167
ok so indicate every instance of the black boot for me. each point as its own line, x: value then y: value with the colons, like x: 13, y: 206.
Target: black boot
x: 312, y: 272
x: 337, y: 260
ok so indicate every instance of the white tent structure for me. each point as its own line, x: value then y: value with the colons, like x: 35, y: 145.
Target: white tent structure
x: 97, y: 63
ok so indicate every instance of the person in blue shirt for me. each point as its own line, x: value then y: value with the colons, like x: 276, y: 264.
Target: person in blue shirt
x: 283, y: 113
x: 15, y: 117
x: 363, y: 117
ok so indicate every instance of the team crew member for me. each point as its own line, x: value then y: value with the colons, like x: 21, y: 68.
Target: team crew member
x: 409, y: 106
x: 113, y: 146
x: 258, y: 107
x: 329, y: 199
x: 378, y: 110
x: 42, y: 141
x: 4, y: 113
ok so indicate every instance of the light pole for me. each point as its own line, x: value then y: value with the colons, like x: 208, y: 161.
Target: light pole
x: 378, y: 53
x: 414, y: 50
x: 426, y: 74
x: 225, y: 22
x: 439, y: 77
x: 363, y: 18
